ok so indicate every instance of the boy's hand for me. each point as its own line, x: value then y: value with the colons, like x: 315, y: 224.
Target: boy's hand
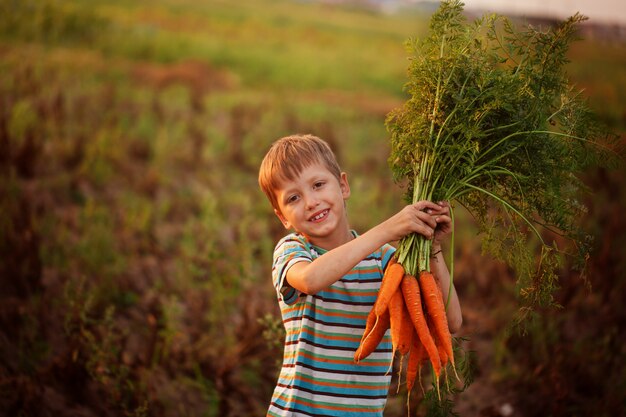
x: 444, y: 223
x: 415, y: 218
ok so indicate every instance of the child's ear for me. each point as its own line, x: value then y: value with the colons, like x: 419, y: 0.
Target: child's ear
x: 282, y: 218
x: 345, y: 187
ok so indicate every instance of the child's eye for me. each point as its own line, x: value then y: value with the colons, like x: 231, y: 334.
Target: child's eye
x: 318, y: 184
x: 292, y: 199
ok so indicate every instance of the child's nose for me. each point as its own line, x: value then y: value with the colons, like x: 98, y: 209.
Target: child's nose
x: 311, y: 201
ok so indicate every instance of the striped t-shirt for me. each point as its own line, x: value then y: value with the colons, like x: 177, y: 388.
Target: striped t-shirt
x: 318, y: 376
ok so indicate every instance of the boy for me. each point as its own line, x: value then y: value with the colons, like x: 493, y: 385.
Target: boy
x: 327, y: 277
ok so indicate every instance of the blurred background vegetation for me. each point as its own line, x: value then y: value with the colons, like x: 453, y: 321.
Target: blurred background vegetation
x: 136, y: 246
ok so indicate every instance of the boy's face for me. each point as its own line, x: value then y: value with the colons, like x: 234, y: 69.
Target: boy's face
x: 314, y: 204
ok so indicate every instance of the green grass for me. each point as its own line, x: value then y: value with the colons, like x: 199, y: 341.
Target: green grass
x: 277, y: 44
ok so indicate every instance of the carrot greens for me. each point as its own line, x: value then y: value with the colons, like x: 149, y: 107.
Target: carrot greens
x: 492, y: 122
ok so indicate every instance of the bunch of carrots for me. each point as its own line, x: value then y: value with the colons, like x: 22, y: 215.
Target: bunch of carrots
x: 493, y: 124
x: 413, y: 308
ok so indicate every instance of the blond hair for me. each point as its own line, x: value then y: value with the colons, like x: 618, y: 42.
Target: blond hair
x: 288, y: 156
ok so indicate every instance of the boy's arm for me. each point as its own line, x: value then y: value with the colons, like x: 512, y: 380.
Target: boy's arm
x: 312, y: 277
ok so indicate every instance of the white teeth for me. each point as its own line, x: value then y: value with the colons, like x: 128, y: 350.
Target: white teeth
x: 319, y: 216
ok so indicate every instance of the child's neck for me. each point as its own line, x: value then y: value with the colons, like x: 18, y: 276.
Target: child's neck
x: 333, y: 241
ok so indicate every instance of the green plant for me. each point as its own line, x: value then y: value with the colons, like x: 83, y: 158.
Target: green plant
x: 97, y: 344
x: 50, y: 21
x: 493, y: 123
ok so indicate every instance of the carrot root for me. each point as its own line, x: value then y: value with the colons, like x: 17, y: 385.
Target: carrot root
x: 433, y: 299
x: 370, y: 340
x: 390, y: 283
x: 411, y: 293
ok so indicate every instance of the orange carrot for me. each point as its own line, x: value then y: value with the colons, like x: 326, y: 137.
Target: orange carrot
x: 401, y: 328
x: 372, y: 318
x: 400, y: 333
x: 407, y: 330
x: 369, y: 324
x: 370, y: 340
x: 443, y: 355
x: 417, y: 355
x: 388, y: 286
x: 412, y: 298
x: 433, y: 300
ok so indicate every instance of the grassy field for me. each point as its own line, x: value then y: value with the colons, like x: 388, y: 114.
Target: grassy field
x: 136, y: 246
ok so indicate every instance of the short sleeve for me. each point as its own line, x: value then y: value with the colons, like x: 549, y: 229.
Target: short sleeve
x: 387, y: 252
x: 288, y: 252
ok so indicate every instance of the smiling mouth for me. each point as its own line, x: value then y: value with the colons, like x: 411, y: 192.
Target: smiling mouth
x: 319, y: 216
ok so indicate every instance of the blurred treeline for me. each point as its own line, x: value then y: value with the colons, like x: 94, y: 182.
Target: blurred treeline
x: 136, y: 247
